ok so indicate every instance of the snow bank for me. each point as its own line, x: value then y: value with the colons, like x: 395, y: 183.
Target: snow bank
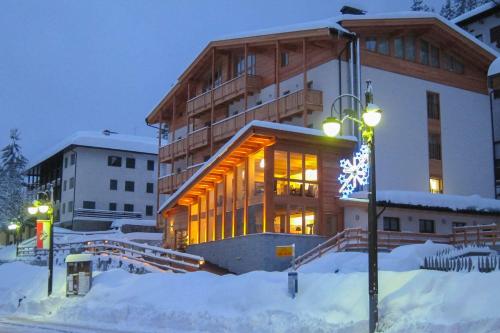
x: 8, y: 253
x: 403, y: 258
x: 411, y: 301
x: 433, y: 200
x: 121, y: 222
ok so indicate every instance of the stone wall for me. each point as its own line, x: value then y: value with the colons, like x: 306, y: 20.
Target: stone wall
x: 253, y: 252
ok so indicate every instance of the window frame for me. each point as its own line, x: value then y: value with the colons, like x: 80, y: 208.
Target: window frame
x: 128, y: 205
x: 150, y: 187
x: 112, y: 158
x: 130, y: 162
x: 87, y: 204
x: 150, y: 165
x: 129, y: 186
x: 112, y: 204
x: 423, y: 226
x: 149, y: 208
x: 115, y: 182
x: 388, y: 223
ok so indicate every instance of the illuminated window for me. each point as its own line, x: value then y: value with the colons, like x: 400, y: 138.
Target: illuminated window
x: 310, y: 220
x: 203, y: 219
x: 193, y: 230
x: 280, y: 164
x: 302, y: 179
x: 436, y: 185
x: 296, y: 220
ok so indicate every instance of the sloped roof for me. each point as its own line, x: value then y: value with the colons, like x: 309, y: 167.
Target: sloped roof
x: 319, y: 27
x: 92, y: 139
x: 172, y: 199
x: 476, y: 11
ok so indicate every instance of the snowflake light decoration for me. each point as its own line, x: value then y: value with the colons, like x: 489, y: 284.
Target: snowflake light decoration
x: 354, y: 173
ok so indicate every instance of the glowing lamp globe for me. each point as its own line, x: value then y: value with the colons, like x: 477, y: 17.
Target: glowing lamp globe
x: 12, y: 226
x: 43, y: 209
x: 32, y: 210
x: 331, y: 126
x: 372, y: 115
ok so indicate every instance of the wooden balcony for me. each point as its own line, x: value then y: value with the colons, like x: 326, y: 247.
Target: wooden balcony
x: 290, y: 105
x: 195, y: 140
x: 170, y: 183
x: 224, y: 93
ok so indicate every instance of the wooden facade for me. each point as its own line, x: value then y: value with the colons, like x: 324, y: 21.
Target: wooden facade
x: 266, y: 180
x: 215, y: 96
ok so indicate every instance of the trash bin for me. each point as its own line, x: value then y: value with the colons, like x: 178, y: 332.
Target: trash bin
x: 78, y: 274
x: 293, y: 283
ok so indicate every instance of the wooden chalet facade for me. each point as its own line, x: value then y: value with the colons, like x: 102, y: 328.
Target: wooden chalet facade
x: 267, y: 178
x: 271, y: 77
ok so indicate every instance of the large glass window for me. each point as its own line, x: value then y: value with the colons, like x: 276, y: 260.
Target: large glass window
x: 399, y: 51
x: 302, y: 178
x: 203, y: 219
x: 424, y: 52
x: 219, y: 212
x: 194, y: 224
x: 240, y: 198
x: 296, y: 221
x: 211, y: 215
x: 409, y: 48
x: 383, y: 45
x: 434, y: 56
x: 371, y: 43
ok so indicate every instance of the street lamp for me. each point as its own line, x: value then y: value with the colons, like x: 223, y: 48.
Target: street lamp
x: 372, y: 114
x: 47, y: 207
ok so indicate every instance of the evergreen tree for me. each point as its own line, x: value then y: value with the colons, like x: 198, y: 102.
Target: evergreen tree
x: 420, y: 6
x: 12, y: 185
x: 463, y: 6
x: 447, y: 10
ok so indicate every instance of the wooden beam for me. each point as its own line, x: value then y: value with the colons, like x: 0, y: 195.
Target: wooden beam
x: 189, y: 225
x: 277, y: 79
x: 212, y: 104
x: 304, y: 70
x: 233, y: 213
x: 224, y: 207
x: 245, y: 206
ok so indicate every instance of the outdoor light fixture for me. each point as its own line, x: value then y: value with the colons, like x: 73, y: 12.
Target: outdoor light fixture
x: 43, y: 209
x: 372, y: 115
x: 12, y: 226
x: 370, y: 118
x: 32, y: 210
x: 331, y: 126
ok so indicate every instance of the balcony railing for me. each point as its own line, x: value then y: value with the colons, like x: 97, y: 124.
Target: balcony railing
x: 195, y: 139
x: 170, y: 183
x: 289, y: 105
x: 224, y: 93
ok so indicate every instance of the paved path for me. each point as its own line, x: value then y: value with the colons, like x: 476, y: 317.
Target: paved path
x: 17, y: 325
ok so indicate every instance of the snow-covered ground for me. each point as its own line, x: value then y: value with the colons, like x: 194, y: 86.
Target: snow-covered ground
x: 411, y: 300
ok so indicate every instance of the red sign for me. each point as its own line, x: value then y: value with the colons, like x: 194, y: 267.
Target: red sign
x: 43, y: 234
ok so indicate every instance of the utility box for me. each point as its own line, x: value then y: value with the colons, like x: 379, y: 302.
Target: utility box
x: 78, y: 274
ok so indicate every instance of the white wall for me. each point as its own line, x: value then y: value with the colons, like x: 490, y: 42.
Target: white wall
x: 402, y: 136
x: 93, y: 176
x: 482, y: 27
x: 355, y: 217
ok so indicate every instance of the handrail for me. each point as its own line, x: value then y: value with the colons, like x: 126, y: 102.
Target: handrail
x: 220, y: 85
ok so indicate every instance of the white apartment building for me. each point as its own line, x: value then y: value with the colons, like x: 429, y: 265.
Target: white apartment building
x: 99, y: 177
x: 483, y: 23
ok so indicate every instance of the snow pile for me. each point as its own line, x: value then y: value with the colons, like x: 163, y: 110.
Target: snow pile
x: 445, y: 201
x: 8, y: 253
x: 410, y: 301
x: 121, y: 222
x: 494, y: 68
x: 403, y: 258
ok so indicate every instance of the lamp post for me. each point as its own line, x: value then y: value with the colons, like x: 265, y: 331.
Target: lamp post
x: 47, y: 207
x: 371, y: 116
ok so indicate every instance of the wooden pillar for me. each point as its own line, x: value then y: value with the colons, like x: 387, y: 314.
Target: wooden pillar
x: 245, y: 206
x: 158, y: 215
x: 187, y: 123
x: 189, y: 225
x: 173, y: 139
x: 212, y: 102
x: 268, y: 211
x: 277, y: 80
x: 224, y: 206
x: 207, y: 215
x: 215, y: 212
x: 246, y: 81
x: 234, y: 196
x: 304, y: 70
x: 199, y: 219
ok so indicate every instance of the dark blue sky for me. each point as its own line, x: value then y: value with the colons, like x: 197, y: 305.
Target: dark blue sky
x: 68, y: 65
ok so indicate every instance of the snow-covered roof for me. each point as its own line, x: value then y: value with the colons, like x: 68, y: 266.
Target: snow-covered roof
x: 330, y: 23
x: 228, y: 144
x: 459, y: 203
x: 476, y: 11
x: 121, y: 222
x: 419, y: 15
x: 494, y: 67
x: 113, y: 141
